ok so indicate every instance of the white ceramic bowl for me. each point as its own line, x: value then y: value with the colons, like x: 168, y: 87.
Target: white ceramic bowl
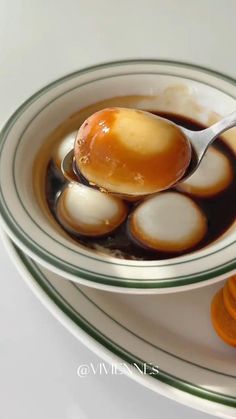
x: 167, y: 86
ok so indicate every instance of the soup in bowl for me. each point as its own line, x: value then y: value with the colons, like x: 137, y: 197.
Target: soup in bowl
x: 174, y: 240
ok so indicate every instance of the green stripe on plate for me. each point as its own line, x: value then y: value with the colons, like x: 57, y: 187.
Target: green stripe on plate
x: 113, y: 347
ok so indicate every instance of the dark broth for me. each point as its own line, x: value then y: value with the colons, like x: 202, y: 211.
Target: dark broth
x: 220, y: 210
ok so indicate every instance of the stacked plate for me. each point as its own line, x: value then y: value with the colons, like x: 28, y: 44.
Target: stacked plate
x: 151, y: 315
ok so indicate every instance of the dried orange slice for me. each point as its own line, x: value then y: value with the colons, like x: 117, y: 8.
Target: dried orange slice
x: 229, y: 301
x: 224, y: 324
x: 232, y: 286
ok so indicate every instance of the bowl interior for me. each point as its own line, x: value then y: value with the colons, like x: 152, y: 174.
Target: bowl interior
x: 61, y: 108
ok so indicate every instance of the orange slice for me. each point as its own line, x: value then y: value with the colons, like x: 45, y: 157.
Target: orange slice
x: 229, y: 301
x: 224, y: 324
x: 232, y: 286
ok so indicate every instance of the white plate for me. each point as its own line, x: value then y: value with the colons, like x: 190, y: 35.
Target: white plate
x: 171, y: 331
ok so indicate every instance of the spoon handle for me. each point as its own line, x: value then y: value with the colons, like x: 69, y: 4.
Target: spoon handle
x: 222, y: 125
x: 202, y: 139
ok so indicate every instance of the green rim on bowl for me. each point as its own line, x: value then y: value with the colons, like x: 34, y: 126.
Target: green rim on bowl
x: 21, y: 237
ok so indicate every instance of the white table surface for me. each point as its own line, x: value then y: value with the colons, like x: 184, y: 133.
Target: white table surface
x: 41, y: 40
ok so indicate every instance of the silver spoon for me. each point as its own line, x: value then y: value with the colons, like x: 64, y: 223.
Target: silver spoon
x: 199, y: 140
x: 67, y: 167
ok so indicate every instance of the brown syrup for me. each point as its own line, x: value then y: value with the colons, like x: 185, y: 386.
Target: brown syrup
x: 220, y: 210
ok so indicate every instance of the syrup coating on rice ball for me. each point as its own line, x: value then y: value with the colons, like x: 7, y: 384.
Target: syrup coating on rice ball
x: 131, y: 152
x: 168, y: 222
x: 213, y: 175
x: 89, y: 212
